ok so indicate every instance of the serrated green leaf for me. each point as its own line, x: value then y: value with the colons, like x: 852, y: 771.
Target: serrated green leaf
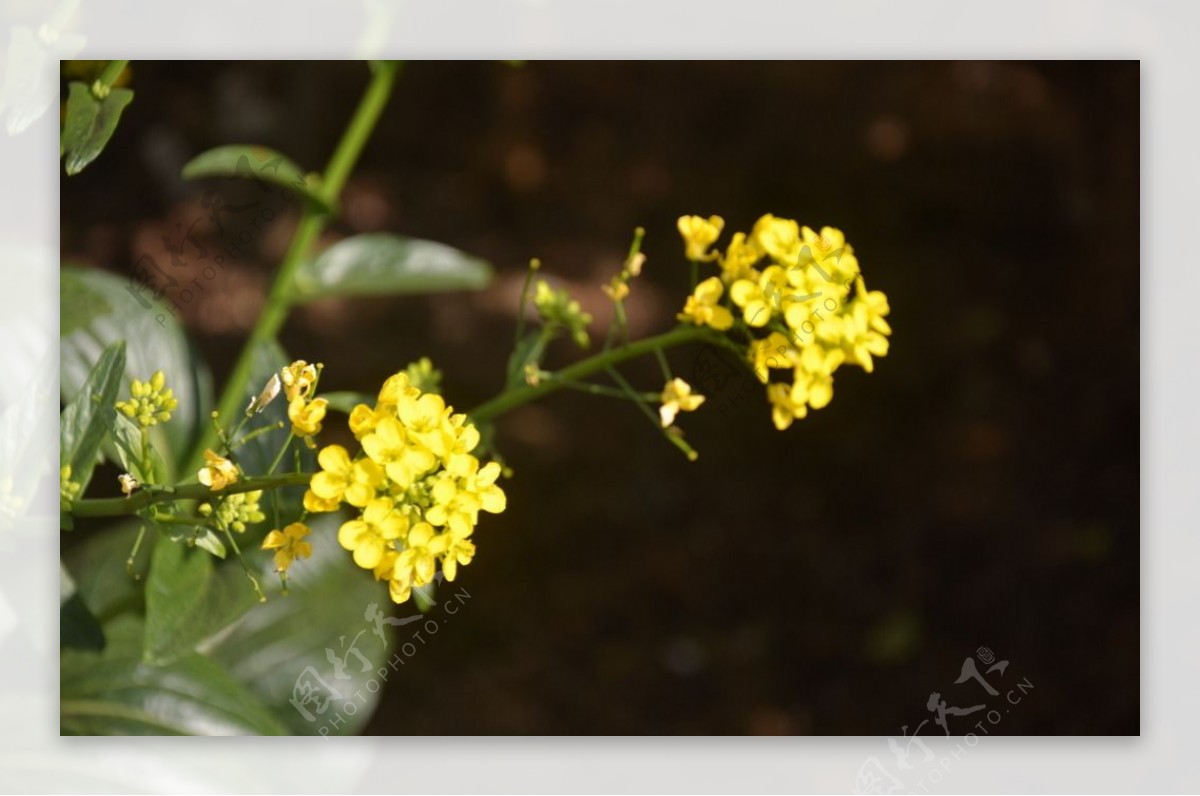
x: 256, y: 163
x: 98, y: 309
x: 286, y: 648
x: 90, y: 123
x: 116, y: 693
x: 187, y: 600
x: 86, y: 420
x: 379, y: 264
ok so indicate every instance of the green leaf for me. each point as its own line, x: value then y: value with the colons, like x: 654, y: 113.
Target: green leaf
x: 256, y: 163
x: 285, y: 649
x: 379, y: 264
x: 101, y: 576
x: 78, y: 628
x: 98, y: 309
x: 529, y: 349
x: 86, y: 420
x: 187, y: 601
x: 90, y: 124
x: 127, y: 438
x: 116, y: 693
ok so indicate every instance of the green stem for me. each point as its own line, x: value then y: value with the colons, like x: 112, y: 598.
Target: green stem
x: 117, y: 507
x: 312, y: 222
x: 510, y: 399
x: 112, y: 70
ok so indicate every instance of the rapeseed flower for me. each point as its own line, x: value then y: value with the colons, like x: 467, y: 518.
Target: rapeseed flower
x: 699, y: 234
x: 803, y: 307
x: 677, y: 397
x: 217, y: 472
x: 416, y: 485
x: 288, y: 545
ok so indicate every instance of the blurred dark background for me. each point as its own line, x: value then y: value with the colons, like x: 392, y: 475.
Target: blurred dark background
x: 979, y: 489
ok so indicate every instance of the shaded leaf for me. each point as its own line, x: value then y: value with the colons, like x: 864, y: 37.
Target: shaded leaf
x: 98, y: 309
x: 256, y: 163
x: 90, y: 123
x: 116, y: 693
x: 378, y: 264
x: 86, y: 420
x: 293, y: 641
x: 187, y: 601
x: 78, y: 628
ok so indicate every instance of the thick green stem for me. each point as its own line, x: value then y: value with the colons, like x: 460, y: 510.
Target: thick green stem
x: 112, y: 70
x: 312, y: 222
x: 510, y: 399
x: 117, y: 507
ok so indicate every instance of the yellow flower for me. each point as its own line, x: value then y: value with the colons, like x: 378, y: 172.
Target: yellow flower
x: 128, y: 483
x: 458, y: 551
x: 341, y: 479
x: 402, y: 458
x: 417, y: 562
x: 784, y: 406
x: 288, y: 545
x: 828, y: 251
x: 759, y: 301
x: 702, y: 307
x: 874, y: 305
x: 779, y: 238
x: 698, y: 234
x: 298, y: 379
x: 860, y: 340
x: 740, y: 258
x: 152, y: 401
x: 772, y: 351
x: 459, y: 494
x: 677, y: 397
x: 368, y: 537
x: 617, y: 289
x: 814, y: 374
x: 315, y: 504
x: 306, y: 417
x: 218, y: 472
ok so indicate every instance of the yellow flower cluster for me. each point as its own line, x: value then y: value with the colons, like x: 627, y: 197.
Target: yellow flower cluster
x: 802, y: 302
x: 415, y: 486
x: 151, y: 403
